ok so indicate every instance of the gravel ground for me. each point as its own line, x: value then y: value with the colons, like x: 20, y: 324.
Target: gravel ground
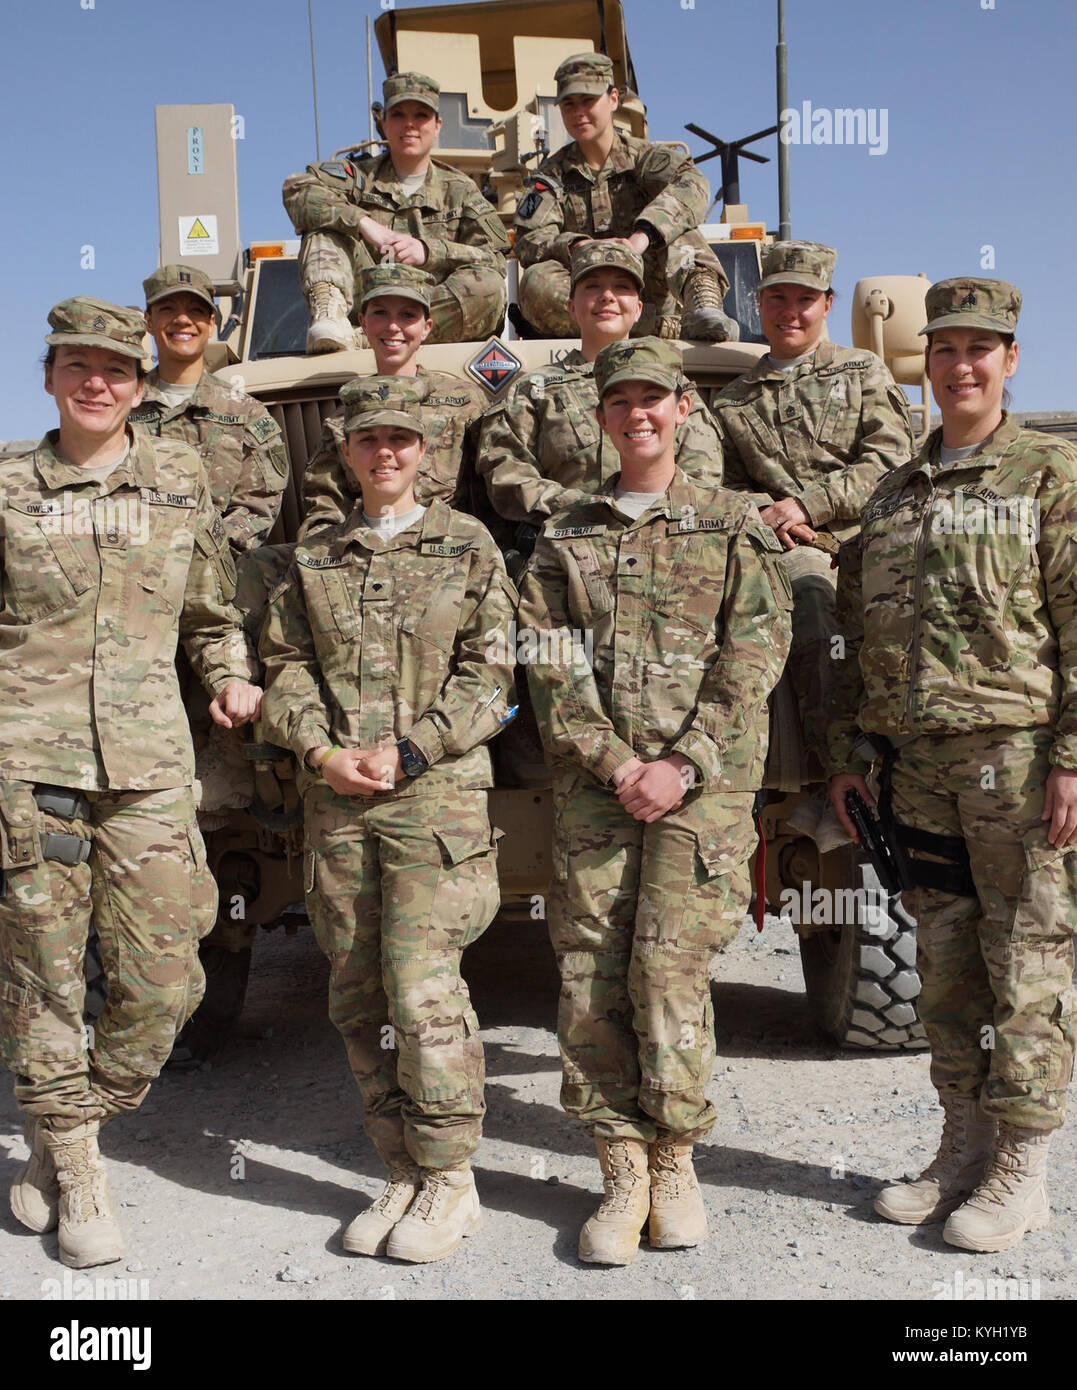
x: 234, y: 1181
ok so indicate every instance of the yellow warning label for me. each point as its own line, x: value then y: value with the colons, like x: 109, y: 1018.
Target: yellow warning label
x: 198, y: 231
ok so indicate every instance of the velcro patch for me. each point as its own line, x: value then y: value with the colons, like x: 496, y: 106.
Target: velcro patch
x: 437, y: 548
x: 567, y: 533
x: 38, y: 508
x: 320, y: 562
x: 698, y: 523
x: 168, y: 499
x: 264, y: 427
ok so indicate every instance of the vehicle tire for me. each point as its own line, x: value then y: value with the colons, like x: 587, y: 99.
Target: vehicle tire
x: 96, y: 982
x: 215, y: 1019
x: 861, y: 978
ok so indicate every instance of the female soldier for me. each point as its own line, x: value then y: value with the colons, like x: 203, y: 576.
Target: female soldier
x: 810, y: 431
x: 110, y: 550
x: 960, y: 614
x: 381, y: 680
x: 657, y: 736
x: 395, y: 316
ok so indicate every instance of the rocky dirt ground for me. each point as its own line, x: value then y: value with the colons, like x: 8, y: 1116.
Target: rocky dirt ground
x: 235, y: 1180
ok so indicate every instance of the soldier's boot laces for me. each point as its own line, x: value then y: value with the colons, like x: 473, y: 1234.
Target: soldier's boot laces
x: 703, y: 319
x: 678, y: 1217
x: 952, y: 1175
x: 89, y: 1234
x: 611, y: 1236
x: 444, y: 1212
x: 368, y: 1234
x: 330, y: 328
x: 1011, y: 1200
x: 35, y: 1193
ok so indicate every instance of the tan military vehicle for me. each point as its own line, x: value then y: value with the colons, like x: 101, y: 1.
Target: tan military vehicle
x: 500, y: 118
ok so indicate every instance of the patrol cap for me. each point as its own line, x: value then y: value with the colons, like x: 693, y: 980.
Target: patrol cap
x: 641, y: 359
x: 596, y: 255
x: 808, y: 263
x: 410, y: 86
x: 87, y: 322
x: 590, y: 74
x: 382, y: 400
x: 178, y: 279
x: 406, y: 281
x: 969, y: 303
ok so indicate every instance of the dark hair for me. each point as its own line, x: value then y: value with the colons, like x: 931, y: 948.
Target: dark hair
x: 48, y: 359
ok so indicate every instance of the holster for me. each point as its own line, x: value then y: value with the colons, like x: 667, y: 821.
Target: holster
x: 954, y: 875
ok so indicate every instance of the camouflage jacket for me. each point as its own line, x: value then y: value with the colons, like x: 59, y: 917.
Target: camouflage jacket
x: 98, y: 581
x: 369, y: 641
x: 566, y: 201
x: 958, y: 601
x: 241, y: 446
x: 448, y: 213
x: 661, y: 635
x: 541, y: 448
x: 823, y: 433
x: 450, y: 412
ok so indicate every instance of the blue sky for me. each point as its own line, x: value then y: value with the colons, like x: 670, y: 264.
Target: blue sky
x: 979, y: 127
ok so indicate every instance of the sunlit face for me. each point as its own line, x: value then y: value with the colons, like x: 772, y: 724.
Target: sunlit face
x: 968, y: 369
x: 181, y: 325
x: 793, y: 317
x: 586, y: 117
x: 384, y: 460
x: 605, y: 304
x: 95, y: 390
x: 411, y: 128
x: 396, y: 327
x: 641, y: 419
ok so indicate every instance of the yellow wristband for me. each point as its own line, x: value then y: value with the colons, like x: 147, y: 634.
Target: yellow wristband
x: 323, y: 760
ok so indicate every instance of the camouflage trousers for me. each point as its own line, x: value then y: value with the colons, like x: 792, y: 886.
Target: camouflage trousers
x: 997, y: 998
x: 468, y: 305
x: 396, y: 888
x: 148, y: 893
x: 545, y: 287
x: 811, y: 664
x: 636, y: 913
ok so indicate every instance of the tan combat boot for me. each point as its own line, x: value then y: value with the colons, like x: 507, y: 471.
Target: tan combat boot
x: 88, y: 1231
x: 611, y: 1236
x: 703, y: 319
x: 330, y: 328
x: 445, y: 1211
x: 677, y: 1215
x: 965, y: 1147
x: 1012, y: 1197
x: 35, y: 1193
x: 368, y: 1234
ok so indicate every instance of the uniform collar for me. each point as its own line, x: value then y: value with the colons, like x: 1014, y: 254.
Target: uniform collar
x: 679, y: 499
x: 139, y: 468
x: 619, y: 157
x: 202, y: 396
x: 387, y: 180
x: 436, y: 525
x: 988, y: 455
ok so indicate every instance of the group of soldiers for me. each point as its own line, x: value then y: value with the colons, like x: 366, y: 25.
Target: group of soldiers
x: 669, y: 559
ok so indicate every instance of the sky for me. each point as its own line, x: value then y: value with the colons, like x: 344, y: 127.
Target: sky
x: 978, y: 149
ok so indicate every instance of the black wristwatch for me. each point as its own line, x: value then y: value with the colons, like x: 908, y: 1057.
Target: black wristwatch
x: 411, y: 761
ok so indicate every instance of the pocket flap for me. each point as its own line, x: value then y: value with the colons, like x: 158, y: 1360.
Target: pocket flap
x: 20, y: 839
x: 457, y: 848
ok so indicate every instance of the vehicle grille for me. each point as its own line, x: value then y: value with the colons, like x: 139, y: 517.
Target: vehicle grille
x: 301, y: 424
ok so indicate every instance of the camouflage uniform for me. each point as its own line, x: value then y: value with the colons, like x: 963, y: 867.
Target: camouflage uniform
x: 686, y: 608
x: 450, y: 410
x: 541, y: 448
x: 370, y: 641
x: 822, y: 433
x: 99, y: 580
x: 641, y: 186
x: 465, y: 241
x: 958, y: 610
x: 241, y: 447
